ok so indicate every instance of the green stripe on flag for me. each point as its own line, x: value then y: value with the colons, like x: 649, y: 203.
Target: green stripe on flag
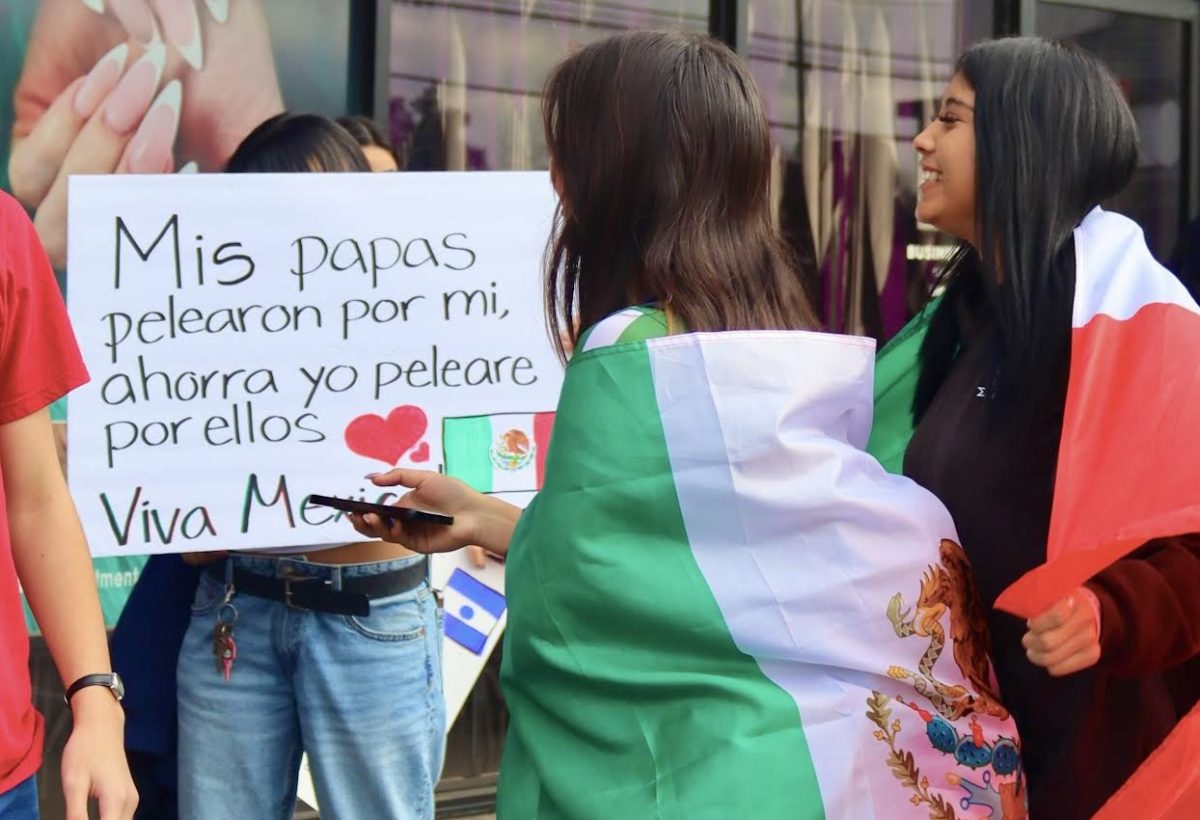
x: 466, y: 445
x: 896, y: 370
x: 628, y: 695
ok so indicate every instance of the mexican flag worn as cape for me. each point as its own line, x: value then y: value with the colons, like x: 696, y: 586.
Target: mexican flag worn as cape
x: 1127, y: 467
x: 721, y: 607
x: 1127, y: 471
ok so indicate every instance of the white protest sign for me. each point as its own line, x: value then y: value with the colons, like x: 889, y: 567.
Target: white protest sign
x: 253, y: 339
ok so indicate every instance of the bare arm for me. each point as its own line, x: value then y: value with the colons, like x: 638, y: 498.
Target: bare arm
x: 55, y: 569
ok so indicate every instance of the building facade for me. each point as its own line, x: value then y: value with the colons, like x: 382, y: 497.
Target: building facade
x: 848, y: 84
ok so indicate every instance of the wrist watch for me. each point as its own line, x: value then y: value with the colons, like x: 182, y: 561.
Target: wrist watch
x: 110, y: 680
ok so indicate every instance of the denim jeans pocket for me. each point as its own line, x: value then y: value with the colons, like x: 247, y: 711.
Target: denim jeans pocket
x: 396, y: 618
x: 209, y: 593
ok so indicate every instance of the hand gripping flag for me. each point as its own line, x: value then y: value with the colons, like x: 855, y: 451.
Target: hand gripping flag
x: 1128, y: 466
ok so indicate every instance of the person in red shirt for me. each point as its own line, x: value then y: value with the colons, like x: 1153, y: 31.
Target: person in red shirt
x: 42, y: 545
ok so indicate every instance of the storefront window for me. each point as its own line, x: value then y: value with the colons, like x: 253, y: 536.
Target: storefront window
x: 848, y: 84
x: 1147, y: 54
x: 466, y: 77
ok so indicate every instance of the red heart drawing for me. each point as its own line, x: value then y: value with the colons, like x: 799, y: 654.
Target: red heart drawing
x: 387, y: 439
x: 421, y: 453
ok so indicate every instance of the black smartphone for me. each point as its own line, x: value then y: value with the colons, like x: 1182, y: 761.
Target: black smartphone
x: 382, y: 510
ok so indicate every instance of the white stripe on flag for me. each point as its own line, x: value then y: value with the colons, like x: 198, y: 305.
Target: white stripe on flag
x: 609, y: 329
x: 803, y: 572
x: 469, y: 612
x: 1115, y: 273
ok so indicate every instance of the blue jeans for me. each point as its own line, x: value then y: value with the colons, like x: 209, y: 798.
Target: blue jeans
x: 21, y: 801
x: 361, y: 695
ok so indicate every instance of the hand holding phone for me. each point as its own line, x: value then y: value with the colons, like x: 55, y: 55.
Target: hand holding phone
x: 471, y: 517
x: 406, y: 514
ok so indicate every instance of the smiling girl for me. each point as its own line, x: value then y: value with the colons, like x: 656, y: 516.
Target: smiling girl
x: 1030, y: 138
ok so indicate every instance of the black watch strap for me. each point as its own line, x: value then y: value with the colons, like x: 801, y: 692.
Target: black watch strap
x: 108, y: 680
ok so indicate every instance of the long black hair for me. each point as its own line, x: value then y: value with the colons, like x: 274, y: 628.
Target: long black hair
x: 660, y: 145
x: 291, y: 143
x: 1054, y: 137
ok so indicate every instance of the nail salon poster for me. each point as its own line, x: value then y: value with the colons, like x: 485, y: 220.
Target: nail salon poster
x: 167, y: 67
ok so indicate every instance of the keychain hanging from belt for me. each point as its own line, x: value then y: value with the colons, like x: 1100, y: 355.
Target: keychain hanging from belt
x: 224, y: 646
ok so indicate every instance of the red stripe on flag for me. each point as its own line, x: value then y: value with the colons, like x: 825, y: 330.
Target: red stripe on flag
x: 1127, y: 466
x: 543, y: 423
x: 1167, y: 785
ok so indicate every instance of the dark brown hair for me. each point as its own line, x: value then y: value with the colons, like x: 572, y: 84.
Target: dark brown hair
x: 290, y: 143
x: 366, y: 132
x: 660, y: 147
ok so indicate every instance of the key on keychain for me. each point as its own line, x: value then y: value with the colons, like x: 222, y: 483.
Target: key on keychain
x: 224, y: 649
x: 224, y: 646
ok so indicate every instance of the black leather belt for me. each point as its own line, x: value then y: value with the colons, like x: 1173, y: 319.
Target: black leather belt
x: 316, y: 593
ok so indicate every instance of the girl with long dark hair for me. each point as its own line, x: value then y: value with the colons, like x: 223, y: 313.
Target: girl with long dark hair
x: 1030, y: 138
x: 718, y: 604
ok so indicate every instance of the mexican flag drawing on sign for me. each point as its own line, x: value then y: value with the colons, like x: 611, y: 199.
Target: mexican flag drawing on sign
x: 721, y: 607
x: 499, y: 453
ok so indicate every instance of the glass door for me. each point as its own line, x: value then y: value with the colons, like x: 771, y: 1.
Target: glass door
x: 848, y: 84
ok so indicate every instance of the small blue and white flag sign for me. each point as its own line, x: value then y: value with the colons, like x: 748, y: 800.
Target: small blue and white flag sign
x: 472, y: 610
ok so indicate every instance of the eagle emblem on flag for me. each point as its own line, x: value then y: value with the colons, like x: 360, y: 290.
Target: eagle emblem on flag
x: 512, y: 451
x: 946, y: 589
